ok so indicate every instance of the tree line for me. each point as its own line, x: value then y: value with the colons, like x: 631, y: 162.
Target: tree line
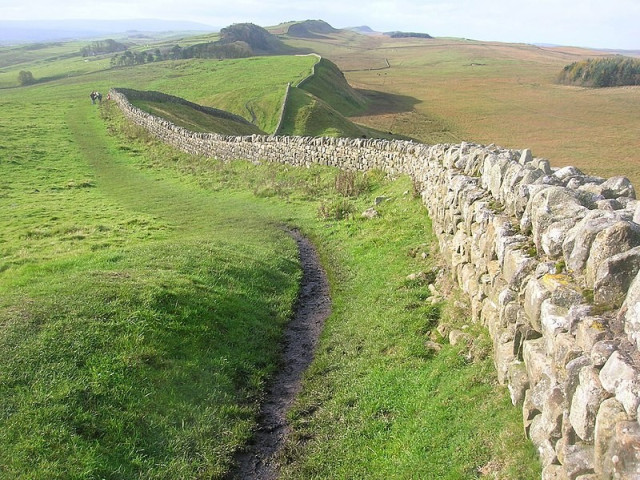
x: 602, y: 72
x: 101, y: 47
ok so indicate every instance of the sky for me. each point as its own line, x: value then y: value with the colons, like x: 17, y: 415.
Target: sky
x: 611, y: 24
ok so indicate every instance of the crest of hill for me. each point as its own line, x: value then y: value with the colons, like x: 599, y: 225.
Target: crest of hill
x: 363, y: 29
x: 257, y: 38
x: 329, y: 84
x: 310, y: 29
x: 408, y: 35
x: 240, y: 40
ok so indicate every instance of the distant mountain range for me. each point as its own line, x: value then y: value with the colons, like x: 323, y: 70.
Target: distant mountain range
x: 19, y: 31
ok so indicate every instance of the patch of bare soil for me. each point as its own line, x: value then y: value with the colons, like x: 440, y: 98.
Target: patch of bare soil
x: 256, y: 462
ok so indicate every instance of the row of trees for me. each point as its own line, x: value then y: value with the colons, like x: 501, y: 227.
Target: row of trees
x: 101, y: 47
x: 202, y: 50
x: 602, y: 72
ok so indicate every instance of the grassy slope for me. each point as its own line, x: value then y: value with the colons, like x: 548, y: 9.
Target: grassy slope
x: 309, y: 115
x: 246, y: 87
x: 136, y: 336
x: 329, y: 84
x: 195, y: 120
x: 252, y: 88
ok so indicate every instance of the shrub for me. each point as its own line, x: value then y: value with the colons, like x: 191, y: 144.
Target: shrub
x: 336, y: 210
x: 602, y: 72
x: 351, y: 184
x: 25, y: 77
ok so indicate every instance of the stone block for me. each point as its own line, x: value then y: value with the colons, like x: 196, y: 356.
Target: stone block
x: 623, y: 456
x: 536, y: 360
x: 535, y: 293
x: 614, y: 276
x: 611, y: 413
x: 585, y: 403
x: 518, y: 382
x: 620, y: 377
x: 611, y: 241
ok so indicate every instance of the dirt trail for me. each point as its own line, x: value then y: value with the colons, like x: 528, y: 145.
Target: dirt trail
x: 300, y: 338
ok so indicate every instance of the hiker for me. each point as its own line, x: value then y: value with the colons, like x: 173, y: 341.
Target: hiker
x: 93, y: 97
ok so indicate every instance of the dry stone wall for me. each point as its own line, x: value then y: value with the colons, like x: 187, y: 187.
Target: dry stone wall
x: 549, y: 259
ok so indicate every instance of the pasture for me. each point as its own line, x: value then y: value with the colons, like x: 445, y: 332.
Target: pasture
x: 143, y: 292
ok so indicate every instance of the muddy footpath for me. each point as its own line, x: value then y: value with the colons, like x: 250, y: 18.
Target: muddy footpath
x: 257, y: 460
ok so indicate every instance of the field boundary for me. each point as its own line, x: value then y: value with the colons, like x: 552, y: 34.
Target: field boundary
x: 537, y: 250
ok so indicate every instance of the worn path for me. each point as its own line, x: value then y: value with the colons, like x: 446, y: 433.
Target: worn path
x: 300, y: 339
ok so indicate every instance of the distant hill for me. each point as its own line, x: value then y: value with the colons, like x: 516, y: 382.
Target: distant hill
x: 363, y: 29
x: 310, y: 29
x: 239, y: 41
x: 23, y: 31
x: 407, y: 35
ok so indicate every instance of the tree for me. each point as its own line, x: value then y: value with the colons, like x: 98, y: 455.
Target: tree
x: 25, y: 77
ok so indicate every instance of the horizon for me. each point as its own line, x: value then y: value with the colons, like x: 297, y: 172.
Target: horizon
x: 587, y: 24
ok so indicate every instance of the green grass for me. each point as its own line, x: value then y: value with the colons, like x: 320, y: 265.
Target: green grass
x: 306, y: 114
x: 195, y: 120
x: 143, y: 293
x: 140, y: 316
x: 329, y: 84
x: 376, y: 403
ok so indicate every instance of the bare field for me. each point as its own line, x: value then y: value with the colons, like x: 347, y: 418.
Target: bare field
x: 455, y: 90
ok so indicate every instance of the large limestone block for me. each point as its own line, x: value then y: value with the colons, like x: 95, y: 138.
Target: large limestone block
x: 536, y: 360
x: 535, y: 293
x: 540, y: 438
x: 503, y: 357
x: 577, y: 244
x: 517, y: 265
x: 554, y: 472
x: 552, y: 239
x: 565, y: 350
x: 611, y: 412
x: 552, y: 205
x: 589, y: 331
x: 578, y: 460
x: 585, y: 403
x: 493, y: 173
x: 615, y: 187
x: 621, y: 378
x: 623, y: 456
x: 518, y: 382
x: 614, y: 277
x: 613, y: 240
x: 631, y: 312
x: 554, y: 318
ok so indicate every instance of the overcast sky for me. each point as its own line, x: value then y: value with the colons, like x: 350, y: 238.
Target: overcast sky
x: 589, y: 23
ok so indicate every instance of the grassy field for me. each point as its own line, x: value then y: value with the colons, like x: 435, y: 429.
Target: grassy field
x: 140, y: 316
x: 143, y: 293
x: 452, y: 90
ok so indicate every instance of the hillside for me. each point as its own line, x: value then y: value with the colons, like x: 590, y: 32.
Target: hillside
x: 310, y: 29
x: 330, y: 84
x: 240, y: 40
x: 189, y: 115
